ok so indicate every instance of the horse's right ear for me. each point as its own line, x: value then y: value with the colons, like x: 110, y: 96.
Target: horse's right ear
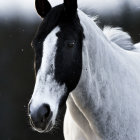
x: 42, y: 7
x: 70, y: 7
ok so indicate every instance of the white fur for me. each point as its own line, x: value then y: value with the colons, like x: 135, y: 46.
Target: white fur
x: 119, y: 37
x: 76, y: 125
x: 71, y: 130
x: 137, y: 46
x: 108, y: 93
x: 47, y: 90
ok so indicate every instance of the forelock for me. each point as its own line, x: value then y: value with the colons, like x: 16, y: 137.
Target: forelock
x: 49, y: 22
x: 45, y: 28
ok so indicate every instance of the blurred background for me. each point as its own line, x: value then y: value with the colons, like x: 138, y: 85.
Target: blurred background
x: 18, y: 24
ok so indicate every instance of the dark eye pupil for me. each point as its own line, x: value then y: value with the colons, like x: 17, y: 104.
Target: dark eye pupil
x: 71, y: 44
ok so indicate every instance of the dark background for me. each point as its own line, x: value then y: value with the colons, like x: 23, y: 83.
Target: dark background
x: 17, y: 82
x: 17, y: 74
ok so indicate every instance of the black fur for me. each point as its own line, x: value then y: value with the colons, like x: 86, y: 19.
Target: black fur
x: 42, y: 7
x: 70, y: 7
x: 68, y: 60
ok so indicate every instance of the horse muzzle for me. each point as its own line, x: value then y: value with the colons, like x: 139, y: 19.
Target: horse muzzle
x: 40, y: 119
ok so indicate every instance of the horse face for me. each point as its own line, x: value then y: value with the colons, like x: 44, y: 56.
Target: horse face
x: 58, y: 60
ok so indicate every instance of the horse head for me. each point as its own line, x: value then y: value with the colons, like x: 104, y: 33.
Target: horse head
x: 58, y: 61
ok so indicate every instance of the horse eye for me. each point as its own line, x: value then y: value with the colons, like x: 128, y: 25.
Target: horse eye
x: 70, y: 44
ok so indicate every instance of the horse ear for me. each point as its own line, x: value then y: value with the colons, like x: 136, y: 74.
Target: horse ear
x: 42, y: 7
x: 70, y: 7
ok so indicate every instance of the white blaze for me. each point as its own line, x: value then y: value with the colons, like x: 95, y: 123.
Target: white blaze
x: 47, y: 90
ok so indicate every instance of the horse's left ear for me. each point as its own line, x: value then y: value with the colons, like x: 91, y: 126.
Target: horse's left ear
x: 70, y: 7
x: 42, y: 7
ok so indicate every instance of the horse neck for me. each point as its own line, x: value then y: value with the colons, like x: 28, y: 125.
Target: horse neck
x: 97, y: 54
x: 109, y: 85
x: 101, y: 62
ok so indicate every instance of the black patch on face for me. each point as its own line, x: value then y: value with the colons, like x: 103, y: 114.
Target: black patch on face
x: 68, y: 59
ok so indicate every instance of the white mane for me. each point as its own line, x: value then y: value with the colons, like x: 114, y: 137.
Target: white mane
x: 119, y: 37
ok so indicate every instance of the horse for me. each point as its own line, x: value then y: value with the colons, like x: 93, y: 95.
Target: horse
x: 94, y: 72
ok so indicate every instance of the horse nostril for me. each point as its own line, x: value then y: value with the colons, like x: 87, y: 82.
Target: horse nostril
x: 44, y: 112
x: 41, y: 117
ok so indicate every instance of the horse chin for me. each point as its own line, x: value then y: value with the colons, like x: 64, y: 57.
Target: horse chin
x: 48, y: 128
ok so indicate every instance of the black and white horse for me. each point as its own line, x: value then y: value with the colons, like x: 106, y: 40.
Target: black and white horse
x: 96, y: 73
